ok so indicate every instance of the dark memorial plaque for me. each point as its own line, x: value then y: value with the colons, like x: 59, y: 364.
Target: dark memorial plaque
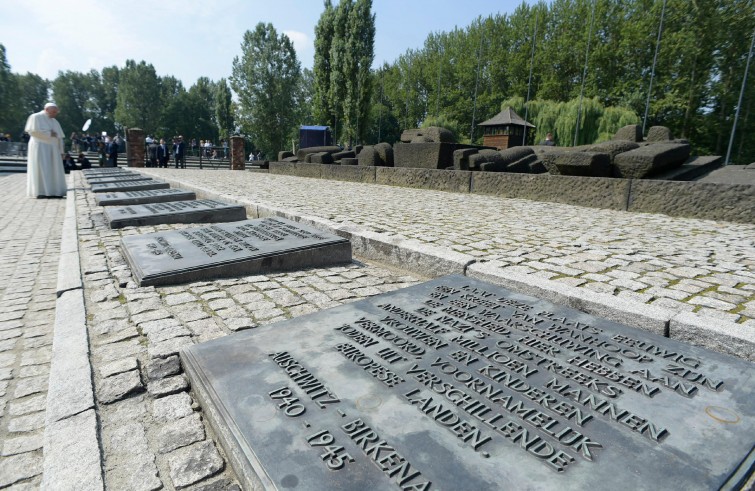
x: 104, y: 170
x: 231, y: 249
x: 129, y: 186
x: 118, y: 178
x: 143, y: 197
x: 195, y: 211
x: 457, y: 384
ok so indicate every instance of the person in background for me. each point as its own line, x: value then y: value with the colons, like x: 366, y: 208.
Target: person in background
x: 179, y: 152
x: 548, y: 140
x: 84, y: 162
x: 45, y: 175
x: 163, y: 154
x: 152, y: 153
x: 68, y: 163
x: 112, y: 153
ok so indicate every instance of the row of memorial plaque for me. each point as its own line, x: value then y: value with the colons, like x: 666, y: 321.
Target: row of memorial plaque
x: 451, y: 384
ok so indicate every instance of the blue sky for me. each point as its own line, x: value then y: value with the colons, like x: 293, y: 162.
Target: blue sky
x: 193, y: 38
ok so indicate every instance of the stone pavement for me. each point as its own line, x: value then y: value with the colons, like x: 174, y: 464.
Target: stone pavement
x: 151, y: 434
x: 30, y: 232
x: 679, y: 264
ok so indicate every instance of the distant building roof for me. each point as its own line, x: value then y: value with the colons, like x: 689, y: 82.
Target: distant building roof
x: 317, y: 128
x: 506, y: 117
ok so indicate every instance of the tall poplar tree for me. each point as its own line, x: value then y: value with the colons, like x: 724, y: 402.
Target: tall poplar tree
x: 266, y: 79
x: 339, y: 55
x: 223, y: 109
x: 322, y: 65
x: 360, y: 53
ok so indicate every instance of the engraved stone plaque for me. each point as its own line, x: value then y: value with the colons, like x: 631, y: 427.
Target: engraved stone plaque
x: 195, y: 211
x: 143, y: 197
x: 118, y: 178
x: 104, y: 171
x: 231, y: 249
x: 129, y: 186
x: 457, y: 384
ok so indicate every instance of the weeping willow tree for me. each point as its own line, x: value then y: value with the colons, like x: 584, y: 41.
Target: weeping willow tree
x: 597, y: 123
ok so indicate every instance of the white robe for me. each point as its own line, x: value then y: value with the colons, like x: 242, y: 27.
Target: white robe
x: 45, y: 174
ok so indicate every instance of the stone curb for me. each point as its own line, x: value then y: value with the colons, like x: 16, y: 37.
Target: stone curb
x: 71, y: 447
x: 423, y: 259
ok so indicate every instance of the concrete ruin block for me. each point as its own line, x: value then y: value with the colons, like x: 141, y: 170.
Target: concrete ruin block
x: 303, y: 152
x: 349, y: 154
x: 290, y: 159
x: 369, y: 156
x: 431, y: 134
x: 422, y: 139
x: 650, y: 159
x: 515, y: 154
x: 523, y: 165
x: 612, y: 147
x: 537, y: 167
x: 349, y: 161
x: 588, y: 164
x: 489, y: 162
x: 284, y: 155
x: 321, y: 158
x: 308, y: 158
x: 408, y: 135
x: 461, y: 158
x: 385, y: 152
x: 630, y: 132
x: 659, y: 134
x: 357, y: 149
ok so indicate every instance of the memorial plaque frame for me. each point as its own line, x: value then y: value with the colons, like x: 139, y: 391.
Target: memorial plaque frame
x: 143, y: 197
x: 118, y: 178
x: 465, y: 385
x: 188, y: 211
x: 129, y: 186
x: 245, y: 247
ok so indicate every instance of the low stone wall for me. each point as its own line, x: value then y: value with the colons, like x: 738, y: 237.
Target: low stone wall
x: 439, y: 180
x: 711, y: 201
x: 595, y: 192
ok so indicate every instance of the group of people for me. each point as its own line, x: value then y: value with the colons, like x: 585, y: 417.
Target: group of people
x: 159, y: 153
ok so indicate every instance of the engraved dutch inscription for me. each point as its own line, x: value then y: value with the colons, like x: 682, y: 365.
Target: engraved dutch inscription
x: 459, y: 384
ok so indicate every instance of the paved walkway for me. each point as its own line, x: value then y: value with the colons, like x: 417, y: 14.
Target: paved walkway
x: 30, y: 231
x: 680, y: 264
x: 153, y: 435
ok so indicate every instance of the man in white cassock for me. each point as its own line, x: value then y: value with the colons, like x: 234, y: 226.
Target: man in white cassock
x: 45, y: 176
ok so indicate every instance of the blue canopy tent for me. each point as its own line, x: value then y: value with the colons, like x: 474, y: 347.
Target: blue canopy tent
x: 315, y: 136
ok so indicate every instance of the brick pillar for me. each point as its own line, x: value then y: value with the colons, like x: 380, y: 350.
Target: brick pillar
x: 135, y: 147
x: 238, y: 159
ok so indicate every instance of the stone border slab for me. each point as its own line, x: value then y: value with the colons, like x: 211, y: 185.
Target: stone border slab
x: 724, y: 337
x: 71, y: 451
x: 71, y: 461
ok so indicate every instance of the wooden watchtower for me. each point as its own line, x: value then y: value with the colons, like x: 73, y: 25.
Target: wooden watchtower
x: 505, y: 130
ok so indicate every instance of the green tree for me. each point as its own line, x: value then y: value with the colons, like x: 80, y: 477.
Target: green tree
x: 73, y: 93
x: 324, y: 29
x: 360, y: 44
x: 8, y: 112
x: 105, y: 100
x: 265, y: 78
x: 138, y: 90
x: 339, y: 53
x: 33, y: 93
x: 224, y: 109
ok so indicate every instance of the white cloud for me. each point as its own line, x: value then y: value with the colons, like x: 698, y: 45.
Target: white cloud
x: 303, y: 44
